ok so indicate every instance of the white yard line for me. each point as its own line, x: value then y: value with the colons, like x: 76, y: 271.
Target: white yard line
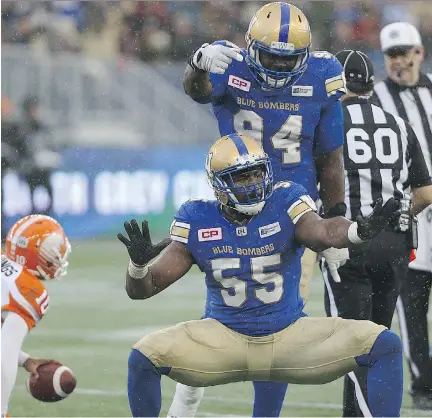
x: 232, y: 401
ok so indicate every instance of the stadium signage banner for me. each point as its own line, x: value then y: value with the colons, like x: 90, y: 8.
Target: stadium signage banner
x: 97, y: 189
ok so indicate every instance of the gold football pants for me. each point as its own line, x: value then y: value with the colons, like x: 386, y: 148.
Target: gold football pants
x: 309, y: 351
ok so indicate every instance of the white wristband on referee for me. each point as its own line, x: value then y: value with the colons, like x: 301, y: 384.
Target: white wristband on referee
x: 137, y: 272
x: 352, y: 234
x: 22, y: 358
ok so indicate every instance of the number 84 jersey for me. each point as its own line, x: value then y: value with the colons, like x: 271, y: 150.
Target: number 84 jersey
x: 252, y: 271
x: 293, y: 124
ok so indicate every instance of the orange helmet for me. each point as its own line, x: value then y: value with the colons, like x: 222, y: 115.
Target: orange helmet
x: 39, y: 243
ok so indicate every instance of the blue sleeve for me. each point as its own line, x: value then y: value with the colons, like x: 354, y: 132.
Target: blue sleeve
x: 295, y: 199
x: 329, y: 134
x: 181, y: 225
x: 334, y: 77
x: 219, y: 84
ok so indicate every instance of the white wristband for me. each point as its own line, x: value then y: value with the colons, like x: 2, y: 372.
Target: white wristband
x: 352, y: 234
x: 22, y: 358
x: 137, y: 272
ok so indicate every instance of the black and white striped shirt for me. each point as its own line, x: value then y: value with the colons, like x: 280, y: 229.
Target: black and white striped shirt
x: 414, y: 104
x: 382, y: 155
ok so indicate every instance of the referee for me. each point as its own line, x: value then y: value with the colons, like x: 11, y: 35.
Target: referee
x: 407, y: 92
x: 382, y: 159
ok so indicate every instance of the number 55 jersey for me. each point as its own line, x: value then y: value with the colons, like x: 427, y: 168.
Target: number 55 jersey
x: 252, y: 271
x: 293, y: 124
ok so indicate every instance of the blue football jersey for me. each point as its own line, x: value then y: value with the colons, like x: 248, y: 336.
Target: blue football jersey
x: 252, y: 272
x: 293, y: 124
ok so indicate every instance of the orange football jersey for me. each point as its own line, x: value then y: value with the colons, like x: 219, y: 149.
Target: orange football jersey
x: 22, y: 293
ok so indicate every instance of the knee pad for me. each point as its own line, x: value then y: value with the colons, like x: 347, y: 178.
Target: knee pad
x: 139, y: 362
x: 387, y: 343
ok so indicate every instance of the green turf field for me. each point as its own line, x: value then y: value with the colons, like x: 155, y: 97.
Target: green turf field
x: 92, y: 324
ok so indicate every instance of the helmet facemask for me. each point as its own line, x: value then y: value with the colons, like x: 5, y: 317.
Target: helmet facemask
x: 274, y: 79
x: 246, y: 186
x: 53, y: 256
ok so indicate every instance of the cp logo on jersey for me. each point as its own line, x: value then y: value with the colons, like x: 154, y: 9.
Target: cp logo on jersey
x: 209, y: 234
x: 239, y: 83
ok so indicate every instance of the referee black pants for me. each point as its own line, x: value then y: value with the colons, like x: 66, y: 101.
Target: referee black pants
x: 370, y: 284
x: 412, y: 309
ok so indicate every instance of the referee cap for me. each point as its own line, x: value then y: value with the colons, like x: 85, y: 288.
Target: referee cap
x: 358, y: 70
x: 399, y: 34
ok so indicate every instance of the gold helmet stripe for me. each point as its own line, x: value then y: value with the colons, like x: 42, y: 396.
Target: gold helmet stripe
x: 239, y: 143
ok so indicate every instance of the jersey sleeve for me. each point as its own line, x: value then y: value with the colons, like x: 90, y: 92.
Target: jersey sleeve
x: 219, y: 84
x: 28, y: 298
x: 329, y: 134
x: 417, y: 168
x: 180, y: 227
x: 334, y: 78
x: 296, y: 200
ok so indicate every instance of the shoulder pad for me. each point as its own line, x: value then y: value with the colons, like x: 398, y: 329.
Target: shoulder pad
x: 326, y: 67
x: 294, y: 199
x: 284, y: 184
x: 322, y: 55
x: 193, y: 209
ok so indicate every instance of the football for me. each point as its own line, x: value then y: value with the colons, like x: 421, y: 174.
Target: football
x: 55, y: 382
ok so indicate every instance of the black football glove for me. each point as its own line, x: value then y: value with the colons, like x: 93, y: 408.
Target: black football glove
x: 139, y: 245
x: 380, y: 217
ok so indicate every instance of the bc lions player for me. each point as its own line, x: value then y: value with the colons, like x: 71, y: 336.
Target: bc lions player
x: 255, y: 328
x: 36, y: 249
x: 287, y: 98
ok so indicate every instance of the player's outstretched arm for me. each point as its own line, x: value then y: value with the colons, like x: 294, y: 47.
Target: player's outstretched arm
x: 144, y: 278
x: 319, y: 234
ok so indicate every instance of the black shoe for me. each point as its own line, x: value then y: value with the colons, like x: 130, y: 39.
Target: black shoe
x: 422, y: 401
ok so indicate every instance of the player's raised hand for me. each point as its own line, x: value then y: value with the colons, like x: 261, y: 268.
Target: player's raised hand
x: 216, y: 58
x: 139, y: 245
x: 370, y: 226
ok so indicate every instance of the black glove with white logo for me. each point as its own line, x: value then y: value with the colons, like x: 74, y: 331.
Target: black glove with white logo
x: 366, y: 228
x: 139, y: 245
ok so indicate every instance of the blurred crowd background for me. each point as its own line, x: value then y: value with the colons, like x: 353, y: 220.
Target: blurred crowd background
x: 84, y: 83
x: 169, y: 30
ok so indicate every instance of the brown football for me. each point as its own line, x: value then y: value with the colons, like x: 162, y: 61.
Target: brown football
x: 55, y: 382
